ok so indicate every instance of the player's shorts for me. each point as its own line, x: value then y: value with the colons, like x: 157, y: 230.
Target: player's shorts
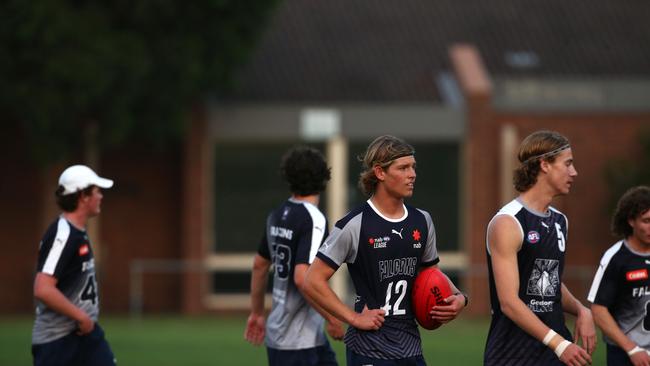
x: 74, y: 350
x: 617, y: 356
x: 316, y: 356
x: 355, y: 359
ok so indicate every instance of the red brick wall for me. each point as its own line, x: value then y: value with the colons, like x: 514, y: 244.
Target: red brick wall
x: 141, y: 219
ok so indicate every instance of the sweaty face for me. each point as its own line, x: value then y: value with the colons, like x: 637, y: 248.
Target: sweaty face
x: 561, y: 172
x: 641, y: 228
x: 399, y: 177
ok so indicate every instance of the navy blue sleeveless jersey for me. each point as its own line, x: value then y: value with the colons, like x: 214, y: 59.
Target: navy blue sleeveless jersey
x: 383, y: 257
x: 622, y: 285
x: 65, y: 253
x: 540, y: 262
x: 294, y: 232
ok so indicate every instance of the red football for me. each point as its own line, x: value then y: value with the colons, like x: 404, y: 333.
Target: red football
x: 430, y: 288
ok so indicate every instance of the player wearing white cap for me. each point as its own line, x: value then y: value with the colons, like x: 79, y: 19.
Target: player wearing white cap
x: 67, y: 303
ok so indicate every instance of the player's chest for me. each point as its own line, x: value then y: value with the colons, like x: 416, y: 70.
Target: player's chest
x: 393, y: 241
x: 634, y: 277
x: 543, y: 237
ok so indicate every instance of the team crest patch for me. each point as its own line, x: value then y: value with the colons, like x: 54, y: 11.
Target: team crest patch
x: 533, y: 237
x: 545, y: 278
x: 639, y: 274
x: 83, y: 250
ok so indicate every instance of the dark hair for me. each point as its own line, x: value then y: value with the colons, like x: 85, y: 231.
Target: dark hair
x: 382, y: 151
x: 305, y: 169
x: 633, y: 203
x: 69, y: 202
x: 538, y: 146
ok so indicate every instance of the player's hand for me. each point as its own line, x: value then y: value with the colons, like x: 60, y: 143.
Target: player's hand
x: 85, y: 325
x: 640, y: 359
x: 585, y: 331
x: 446, y: 313
x: 255, y: 329
x: 335, y: 329
x: 575, y: 355
x: 368, y: 319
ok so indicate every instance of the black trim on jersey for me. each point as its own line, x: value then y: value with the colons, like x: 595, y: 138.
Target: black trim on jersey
x: 432, y: 263
x: 263, y: 249
x: 327, y: 261
x: 350, y: 215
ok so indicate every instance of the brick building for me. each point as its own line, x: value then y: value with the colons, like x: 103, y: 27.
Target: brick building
x: 463, y: 83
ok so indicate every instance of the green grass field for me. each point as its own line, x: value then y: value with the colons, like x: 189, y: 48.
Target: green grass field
x: 176, y: 341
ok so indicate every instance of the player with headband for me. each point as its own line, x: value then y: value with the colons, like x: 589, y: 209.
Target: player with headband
x: 526, y: 243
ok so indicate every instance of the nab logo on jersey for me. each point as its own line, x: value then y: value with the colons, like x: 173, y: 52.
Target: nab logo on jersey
x: 533, y: 237
x: 416, y: 236
x: 639, y: 274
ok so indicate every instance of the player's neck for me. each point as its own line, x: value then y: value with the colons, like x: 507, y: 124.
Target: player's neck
x: 637, y: 245
x: 390, y: 207
x: 536, y: 199
x: 314, y: 199
x: 77, y: 219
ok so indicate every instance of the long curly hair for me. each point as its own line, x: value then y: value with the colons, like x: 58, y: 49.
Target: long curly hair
x: 634, y: 202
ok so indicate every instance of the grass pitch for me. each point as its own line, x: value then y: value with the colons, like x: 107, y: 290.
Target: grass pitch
x: 176, y: 341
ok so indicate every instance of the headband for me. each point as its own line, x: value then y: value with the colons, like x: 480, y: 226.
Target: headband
x: 547, y: 154
x: 409, y: 153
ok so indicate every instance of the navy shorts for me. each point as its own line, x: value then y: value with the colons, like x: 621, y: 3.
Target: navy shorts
x: 355, y: 359
x: 317, y: 356
x: 75, y: 350
x: 617, y: 356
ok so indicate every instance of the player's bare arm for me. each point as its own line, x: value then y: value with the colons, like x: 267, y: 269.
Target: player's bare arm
x: 610, y: 328
x: 585, y: 330
x: 319, y: 291
x: 334, y: 326
x: 46, y: 291
x: 505, y: 238
x: 455, y: 304
x: 255, y: 325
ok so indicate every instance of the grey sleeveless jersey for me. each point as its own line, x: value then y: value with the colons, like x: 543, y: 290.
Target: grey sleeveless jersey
x: 66, y: 254
x: 294, y: 232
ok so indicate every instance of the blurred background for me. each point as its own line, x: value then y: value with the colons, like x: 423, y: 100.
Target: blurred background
x: 189, y: 107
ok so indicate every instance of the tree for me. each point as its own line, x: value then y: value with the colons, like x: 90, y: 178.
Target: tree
x: 128, y: 69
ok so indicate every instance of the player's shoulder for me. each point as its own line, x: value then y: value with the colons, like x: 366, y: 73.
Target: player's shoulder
x: 63, y: 232
x: 507, y: 216
x: 511, y: 208
x: 417, y: 211
x: 356, y: 212
x: 615, y: 253
x: 558, y: 213
x: 59, y: 228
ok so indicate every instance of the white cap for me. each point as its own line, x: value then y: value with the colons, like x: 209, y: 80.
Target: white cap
x: 79, y: 177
